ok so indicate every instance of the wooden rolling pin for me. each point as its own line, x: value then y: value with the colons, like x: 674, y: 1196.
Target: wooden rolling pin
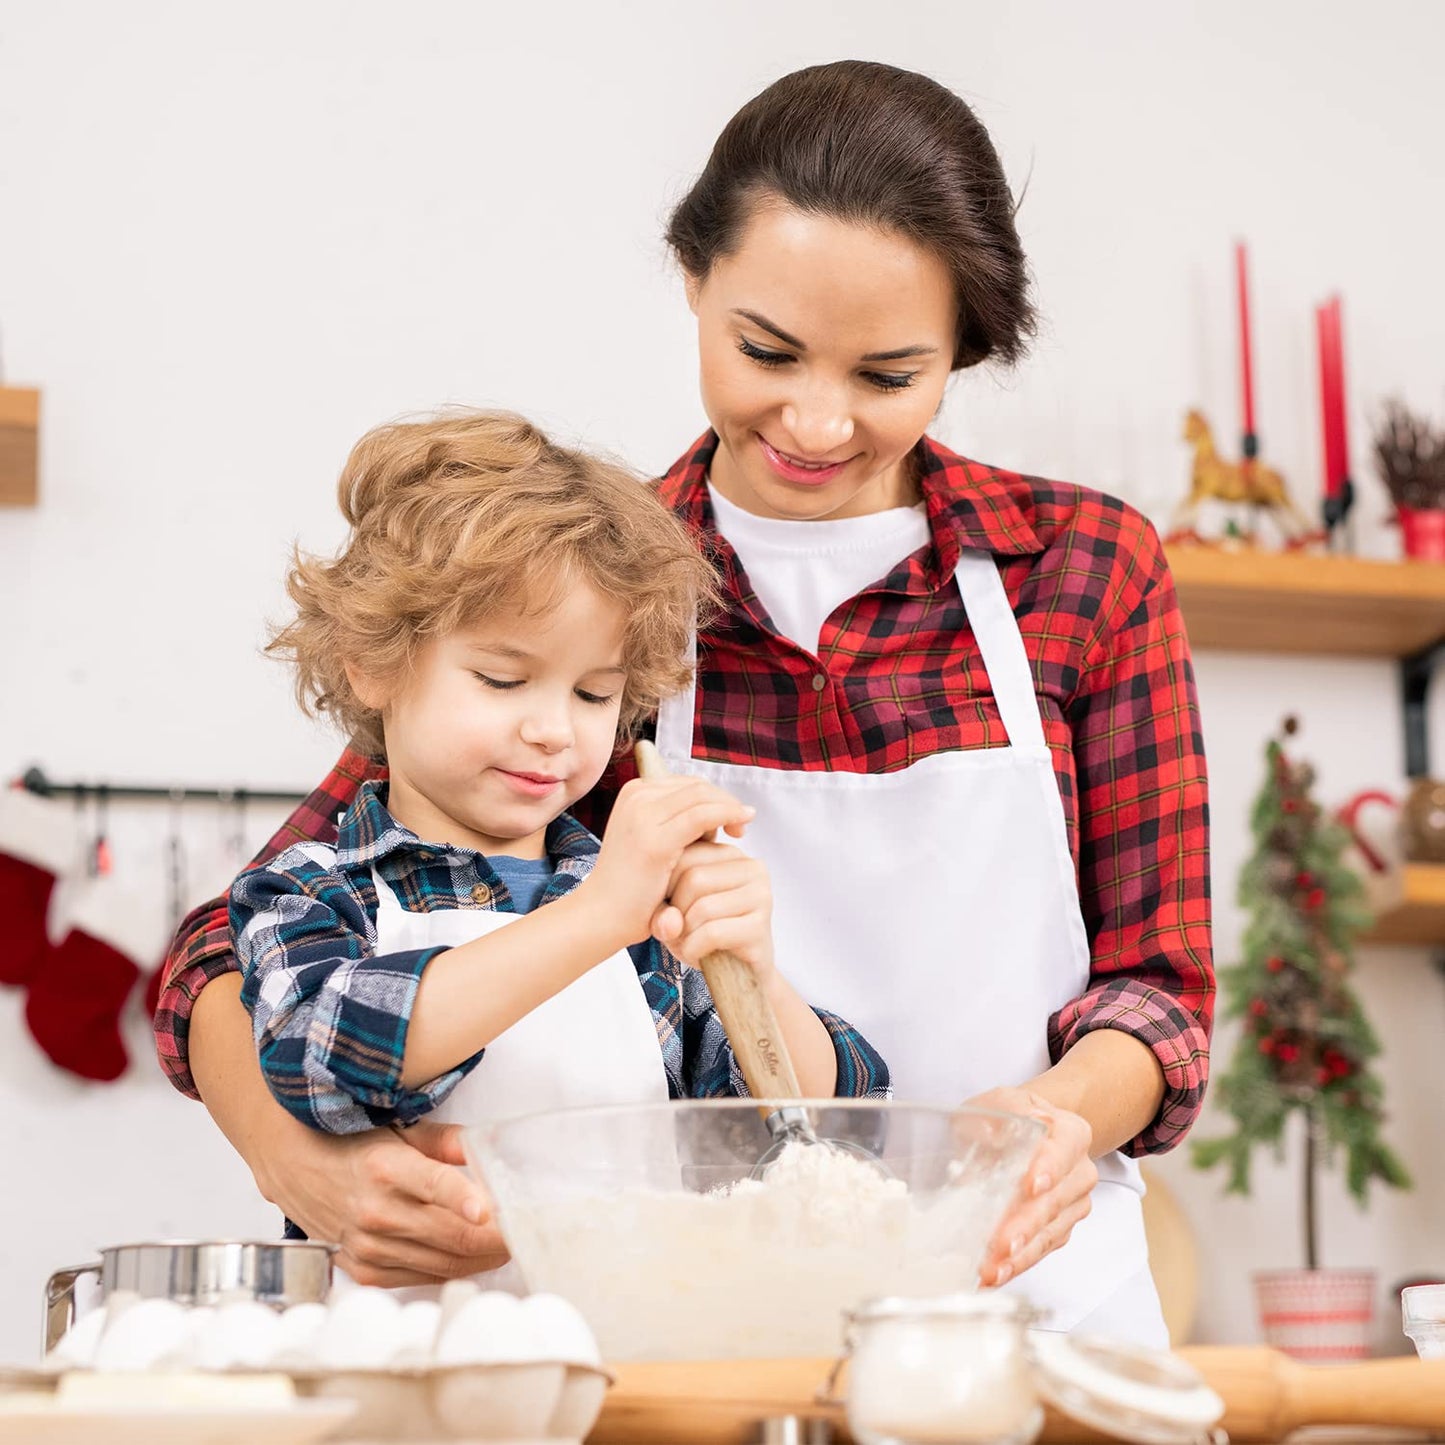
x: 1266, y: 1396
x: 746, y: 1014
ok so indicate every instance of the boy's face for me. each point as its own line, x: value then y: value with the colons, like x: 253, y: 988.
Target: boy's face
x: 506, y: 723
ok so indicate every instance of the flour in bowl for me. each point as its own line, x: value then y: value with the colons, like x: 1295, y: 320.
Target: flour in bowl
x: 754, y: 1268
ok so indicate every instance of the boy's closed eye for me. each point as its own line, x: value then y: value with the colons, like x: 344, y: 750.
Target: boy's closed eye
x: 507, y: 684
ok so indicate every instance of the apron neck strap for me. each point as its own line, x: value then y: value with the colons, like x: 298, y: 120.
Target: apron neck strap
x: 675, y: 713
x: 385, y: 894
x: 996, y: 630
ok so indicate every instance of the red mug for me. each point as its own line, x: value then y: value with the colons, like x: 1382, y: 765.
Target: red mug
x: 1349, y: 814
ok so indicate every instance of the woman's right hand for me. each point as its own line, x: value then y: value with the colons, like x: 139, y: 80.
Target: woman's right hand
x: 395, y: 1203
x: 653, y: 822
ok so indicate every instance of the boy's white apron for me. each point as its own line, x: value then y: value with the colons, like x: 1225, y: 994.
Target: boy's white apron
x: 936, y: 909
x: 596, y: 1042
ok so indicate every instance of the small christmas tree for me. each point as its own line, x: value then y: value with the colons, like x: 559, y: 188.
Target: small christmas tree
x: 1306, y: 1043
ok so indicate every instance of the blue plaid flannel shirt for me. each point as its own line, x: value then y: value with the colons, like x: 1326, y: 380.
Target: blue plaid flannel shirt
x: 330, y: 1016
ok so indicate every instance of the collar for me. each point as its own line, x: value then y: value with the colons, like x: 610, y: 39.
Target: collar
x: 969, y: 504
x: 368, y: 833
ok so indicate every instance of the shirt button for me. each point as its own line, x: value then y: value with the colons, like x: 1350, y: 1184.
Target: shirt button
x: 481, y: 894
x: 820, y: 681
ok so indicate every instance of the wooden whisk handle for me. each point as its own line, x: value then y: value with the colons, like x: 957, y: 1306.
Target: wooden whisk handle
x: 745, y: 1010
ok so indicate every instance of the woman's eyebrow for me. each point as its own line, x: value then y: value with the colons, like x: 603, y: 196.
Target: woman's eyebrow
x: 768, y: 326
x: 901, y: 353
x: 898, y: 353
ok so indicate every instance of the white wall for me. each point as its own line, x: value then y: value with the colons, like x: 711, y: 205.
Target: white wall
x: 233, y: 237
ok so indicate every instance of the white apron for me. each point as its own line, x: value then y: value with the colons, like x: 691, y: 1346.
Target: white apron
x: 594, y: 1043
x: 936, y: 909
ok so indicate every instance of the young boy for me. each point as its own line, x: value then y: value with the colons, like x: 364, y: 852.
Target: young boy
x: 502, y: 615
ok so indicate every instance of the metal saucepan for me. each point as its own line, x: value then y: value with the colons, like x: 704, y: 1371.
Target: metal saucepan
x: 197, y: 1272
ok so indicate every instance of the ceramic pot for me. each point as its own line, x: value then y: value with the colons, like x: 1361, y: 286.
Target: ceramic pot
x: 1423, y: 532
x: 1321, y: 1316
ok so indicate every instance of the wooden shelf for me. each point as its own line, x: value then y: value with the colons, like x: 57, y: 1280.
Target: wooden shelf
x: 1409, y: 904
x: 1296, y: 602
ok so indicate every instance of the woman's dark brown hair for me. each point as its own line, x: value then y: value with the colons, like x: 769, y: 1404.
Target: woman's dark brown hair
x: 878, y: 146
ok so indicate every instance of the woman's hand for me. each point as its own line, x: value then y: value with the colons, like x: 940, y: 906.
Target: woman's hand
x: 719, y: 899
x: 395, y: 1203
x: 1056, y: 1190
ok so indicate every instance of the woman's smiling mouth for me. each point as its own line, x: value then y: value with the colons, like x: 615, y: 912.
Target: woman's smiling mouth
x: 798, y: 469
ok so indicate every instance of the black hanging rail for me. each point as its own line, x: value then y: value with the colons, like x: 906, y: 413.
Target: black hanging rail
x: 35, y: 781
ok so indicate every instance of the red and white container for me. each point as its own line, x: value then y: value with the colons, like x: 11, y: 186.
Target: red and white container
x: 1319, y: 1316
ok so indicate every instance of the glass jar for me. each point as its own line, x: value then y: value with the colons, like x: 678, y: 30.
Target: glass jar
x: 1422, y: 1307
x: 950, y: 1369
x: 968, y: 1369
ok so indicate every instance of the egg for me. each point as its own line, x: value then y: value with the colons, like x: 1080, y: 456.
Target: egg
x: 75, y: 1349
x: 151, y: 1332
x: 296, y: 1332
x: 564, y: 1334
x: 455, y: 1293
x: 491, y: 1328
x: 238, y: 1335
x: 362, y: 1331
x: 198, y: 1321
x: 420, y: 1321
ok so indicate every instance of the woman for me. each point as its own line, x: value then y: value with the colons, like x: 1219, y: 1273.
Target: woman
x: 960, y: 699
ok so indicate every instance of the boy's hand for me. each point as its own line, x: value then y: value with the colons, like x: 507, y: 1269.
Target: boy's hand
x: 719, y: 899
x: 654, y: 822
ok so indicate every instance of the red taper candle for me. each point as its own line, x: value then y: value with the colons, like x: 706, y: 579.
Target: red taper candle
x: 1327, y: 429
x: 1342, y: 437
x: 1246, y: 357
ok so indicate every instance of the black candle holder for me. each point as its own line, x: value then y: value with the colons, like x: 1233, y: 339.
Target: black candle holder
x: 1335, y: 509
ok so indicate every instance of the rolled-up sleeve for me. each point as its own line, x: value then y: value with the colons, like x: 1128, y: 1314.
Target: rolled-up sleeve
x: 1144, y: 841
x: 330, y: 1017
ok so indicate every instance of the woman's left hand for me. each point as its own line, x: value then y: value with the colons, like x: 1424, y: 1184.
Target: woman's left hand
x: 1056, y: 1190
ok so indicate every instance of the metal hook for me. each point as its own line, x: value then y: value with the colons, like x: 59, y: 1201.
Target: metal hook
x: 102, y: 859
x: 175, y: 859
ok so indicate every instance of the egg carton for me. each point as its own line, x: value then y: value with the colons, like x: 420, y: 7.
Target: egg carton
x: 534, y: 1402
x: 522, y: 1403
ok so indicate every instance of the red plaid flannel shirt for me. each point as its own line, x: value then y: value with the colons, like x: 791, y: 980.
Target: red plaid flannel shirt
x: 1089, y: 584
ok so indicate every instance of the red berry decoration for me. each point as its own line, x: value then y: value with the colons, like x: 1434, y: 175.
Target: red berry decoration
x: 1266, y: 1044
x: 1259, y: 1008
x: 1275, y: 964
x: 1315, y: 899
x: 1287, y: 1053
x: 1304, y: 879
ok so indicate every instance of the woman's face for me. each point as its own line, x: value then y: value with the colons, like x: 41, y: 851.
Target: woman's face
x: 825, y: 348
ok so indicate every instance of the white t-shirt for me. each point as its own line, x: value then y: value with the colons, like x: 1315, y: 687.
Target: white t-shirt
x: 803, y: 571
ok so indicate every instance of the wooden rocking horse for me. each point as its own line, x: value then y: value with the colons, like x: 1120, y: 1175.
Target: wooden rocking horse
x: 1251, y: 482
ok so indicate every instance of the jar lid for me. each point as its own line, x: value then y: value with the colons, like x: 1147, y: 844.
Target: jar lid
x: 1127, y: 1391
x: 985, y: 1304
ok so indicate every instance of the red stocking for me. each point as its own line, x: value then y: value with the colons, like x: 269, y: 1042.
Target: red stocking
x: 37, y: 845
x: 76, y: 1000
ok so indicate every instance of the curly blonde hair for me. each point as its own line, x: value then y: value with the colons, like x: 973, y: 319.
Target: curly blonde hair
x: 459, y: 514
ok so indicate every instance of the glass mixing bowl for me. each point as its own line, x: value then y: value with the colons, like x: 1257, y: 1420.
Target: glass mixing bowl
x: 645, y: 1217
